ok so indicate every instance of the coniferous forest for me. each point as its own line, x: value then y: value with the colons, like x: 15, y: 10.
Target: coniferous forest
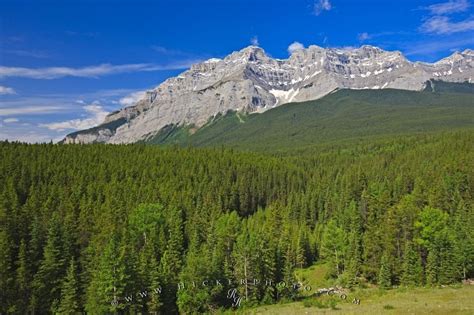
x: 145, y: 229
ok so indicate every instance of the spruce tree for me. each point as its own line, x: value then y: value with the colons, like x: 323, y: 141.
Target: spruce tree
x: 333, y: 247
x: 70, y: 299
x: 354, y: 251
x: 432, y: 267
x: 108, y: 287
x: 47, y: 282
x: 23, y: 279
x: 412, y: 270
x: 6, y: 273
x: 385, y: 273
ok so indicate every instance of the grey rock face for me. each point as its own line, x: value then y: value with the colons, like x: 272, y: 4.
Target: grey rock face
x: 251, y: 81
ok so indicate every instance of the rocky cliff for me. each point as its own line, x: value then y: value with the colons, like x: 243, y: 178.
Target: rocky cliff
x: 249, y: 80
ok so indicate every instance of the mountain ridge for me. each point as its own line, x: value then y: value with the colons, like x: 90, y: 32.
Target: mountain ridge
x: 251, y: 81
x: 344, y: 116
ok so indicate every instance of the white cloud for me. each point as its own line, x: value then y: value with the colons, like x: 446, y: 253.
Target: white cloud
x: 254, y: 41
x: 88, y: 72
x: 6, y: 90
x: 320, y: 6
x: 449, y: 7
x: 95, y: 116
x: 10, y: 120
x: 363, y: 36
x: 132, y: 98
x: 443, y: 25
x: 294, y: 47
x: 29, y: 110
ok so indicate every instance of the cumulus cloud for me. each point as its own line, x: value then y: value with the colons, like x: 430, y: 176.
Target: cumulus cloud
x: 294, y: 47
x: 449, y: 7
x: 362, y: 37
x: 321, y: 5
x: 95, y: 114
x: 254, y: 41
x: 10, y: 120
x: 88, y: 72
x: 4, y: 90
x: 444, y: 25
x: 132, y: 98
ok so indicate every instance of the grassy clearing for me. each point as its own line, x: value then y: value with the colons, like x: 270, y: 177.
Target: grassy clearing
x: 433, y: 301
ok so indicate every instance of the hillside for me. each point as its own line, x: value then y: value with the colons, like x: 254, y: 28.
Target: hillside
x: 344, y: 115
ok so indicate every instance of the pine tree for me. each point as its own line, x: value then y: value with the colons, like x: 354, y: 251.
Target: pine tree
x: 354, y: 252
x: 70, y: 299
x: 432, y: 267
x: 47, y: 282
x: 23, y: 279
x: 412, y: 270
x: 464, y: 238
x: 333, y: 247
x: 154, y: 302
x: 6, y: 273
x: 171, y: 262
x: 385, y: 273
x: 108, y: 287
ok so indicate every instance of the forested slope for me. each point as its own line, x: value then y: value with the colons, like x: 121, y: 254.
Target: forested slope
x: 90, y: 227
x: 345, y: 115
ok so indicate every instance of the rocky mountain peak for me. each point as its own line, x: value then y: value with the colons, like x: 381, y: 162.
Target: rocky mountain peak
x: 249, y: 80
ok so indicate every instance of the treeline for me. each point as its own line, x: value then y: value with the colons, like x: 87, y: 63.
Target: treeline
x: 137, y: 228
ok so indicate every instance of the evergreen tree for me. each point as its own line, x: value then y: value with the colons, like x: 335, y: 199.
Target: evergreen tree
x: 432, y: 267
x: 171, y: 262
x: 47, y: 281
x: 108, y: 287
x: 354, y: 252
x: 464, y: 238
x: 385, y: 273
x: 70, y: 299
x: 23, y: 279
x: 333, y: 247
x: 412, y: 274
x: 6, y: 273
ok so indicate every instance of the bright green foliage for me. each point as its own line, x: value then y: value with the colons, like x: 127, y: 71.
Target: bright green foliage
x: 432, y: 227
x: 435, y: 236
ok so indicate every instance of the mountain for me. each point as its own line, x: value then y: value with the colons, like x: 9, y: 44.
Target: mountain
x: 250, y: 81
x: 342, y: 116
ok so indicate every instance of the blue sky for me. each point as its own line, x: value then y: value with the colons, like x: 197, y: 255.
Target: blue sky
x: 65, y: 64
